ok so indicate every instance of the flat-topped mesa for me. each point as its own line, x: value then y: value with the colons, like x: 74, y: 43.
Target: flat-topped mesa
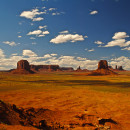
x: 44, y: 67
x: 102, y: 64
x: 66, y: 69
x: 23, y: 64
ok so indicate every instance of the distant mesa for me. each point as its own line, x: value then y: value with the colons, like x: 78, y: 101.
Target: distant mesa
x: 69, y: 69
x: 23, y: 67
x: 120, y: 68
x: 117, y: 68
x: 103, y: 69
x: 44, y: 67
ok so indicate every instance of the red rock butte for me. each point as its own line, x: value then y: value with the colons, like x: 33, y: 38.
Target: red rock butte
x: 23, y: 67
x: 23, y: 64
x: 103, y: 69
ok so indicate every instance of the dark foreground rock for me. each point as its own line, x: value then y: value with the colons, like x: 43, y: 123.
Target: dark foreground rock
x: 45, y: 119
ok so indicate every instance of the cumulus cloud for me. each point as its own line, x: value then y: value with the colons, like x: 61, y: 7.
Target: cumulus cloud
x: 36, y: 32
x: 119, y: 40
x: 64, y: 32
x: 94, y: 12
x: 121, y: 61
x: 32, y: 38
x: 19, y: 36
x: 12, y: 43
x: 91, y: 50
x: 32, y: 14
x: 98, y: 42
x: 38, y: 19
x: 120, y: 35
x: 56, y: 13
x: 42, y: 35
x: 41, y: 27
x: 67, y: 38
x: 54, y: 59
x: 29, y: 53
x: 51, y: 9
x: 126, y: 48
x: 45, y: 32
x: 2, y: 53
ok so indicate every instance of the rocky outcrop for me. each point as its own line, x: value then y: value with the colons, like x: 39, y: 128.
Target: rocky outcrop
x: 66, y: 69
x: 23, y: 64
x: 44, y: 67
x: 118, y: 68
x: 23, y: 67
x: 103, y: 69
x: 45, y: 119
x: 79, y: 69
x: 102, y: 64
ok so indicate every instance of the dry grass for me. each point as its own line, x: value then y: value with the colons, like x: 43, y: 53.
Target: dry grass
x: 75, y: 93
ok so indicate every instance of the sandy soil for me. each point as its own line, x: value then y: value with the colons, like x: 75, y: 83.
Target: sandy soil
x: 76, y: 106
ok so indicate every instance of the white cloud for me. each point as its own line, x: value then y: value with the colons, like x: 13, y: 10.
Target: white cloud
x: 121, y: 61
x: 127, y: 48
x: 38, y: 19
x: 67, y: 38
x: 41, y: 27
x: 47, y: 56
x: 32, y: 14
x: 34, y: 43
x: 120, y: 35
x: 51, y: 9
x: 14, y: 54
x: 64, y: 32
x: 85, y: 36
x: 2, y: 53
x: 94, y: 12
x: 91, y: 50
x: 12, y: 43
x: 118, y: 42
x: 56, y: 13
x: 53, y: 54
x: 98, y: 42
x: 19, y: 36
x: 45, y: 32
x: 63, y: 61
x: 36, y: 32
x: 32, y: 38
x: 29, y: 53
x: 42, y: 35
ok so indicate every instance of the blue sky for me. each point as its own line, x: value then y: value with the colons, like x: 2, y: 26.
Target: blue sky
x: 65, y: 32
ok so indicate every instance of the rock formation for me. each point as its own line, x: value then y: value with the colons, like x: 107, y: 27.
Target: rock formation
x: 103, y: 69
x: 116, y: 67
x: 120, y: 68
x: 23, y: 64
x: 23, y: 67
x: 102, y: 64
x: 79, y: 69
x: 66, y: 69
x: 44, y: 67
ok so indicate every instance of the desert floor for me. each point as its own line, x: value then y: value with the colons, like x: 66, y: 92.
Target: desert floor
x: 79, y: 101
